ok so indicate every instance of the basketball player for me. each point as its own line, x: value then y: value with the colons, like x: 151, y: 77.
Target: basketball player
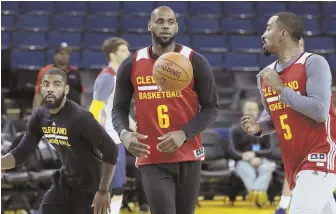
x: 296, y: 91
x: 168, y: 123
x: 116, y: 50
x: 286, y: 193
x: 83, y: 181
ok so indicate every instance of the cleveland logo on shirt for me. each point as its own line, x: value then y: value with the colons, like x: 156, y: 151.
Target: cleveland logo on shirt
x: 56, y: 135
x: 272, y: 97
x: 149, y: 90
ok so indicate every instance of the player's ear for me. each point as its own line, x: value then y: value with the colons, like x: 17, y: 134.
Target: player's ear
x: 149, y: 26
x: 67, y: 89
x: 113, y: 57
x: 284, y: 34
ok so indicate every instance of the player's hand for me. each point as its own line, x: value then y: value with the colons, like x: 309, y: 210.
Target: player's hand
x: 247, y: 156
x: 101, y: 203
x: 130, y: 140
x: 250, y: 125
x: 272, y: 78
x: 171, y: 141
x: 256, y: 162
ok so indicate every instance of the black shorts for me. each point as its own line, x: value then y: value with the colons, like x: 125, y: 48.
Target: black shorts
x: 172, y: 188
x: 63, y: 199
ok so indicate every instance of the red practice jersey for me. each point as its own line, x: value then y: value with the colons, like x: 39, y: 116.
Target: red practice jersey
x: 158, y: 112
x: 305, y: 144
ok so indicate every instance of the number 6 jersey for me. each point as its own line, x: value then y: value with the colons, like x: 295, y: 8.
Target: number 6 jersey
x: 158, y: 112
x: 306, y: 143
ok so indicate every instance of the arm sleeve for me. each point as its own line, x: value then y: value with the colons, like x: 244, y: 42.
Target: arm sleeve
x: 123, y: 96
x: 317, y: 102
x: 205, y: 87
x: 265, y: 122
x: 103, y: 87
x: 29, y: 141
x: 95, y: 134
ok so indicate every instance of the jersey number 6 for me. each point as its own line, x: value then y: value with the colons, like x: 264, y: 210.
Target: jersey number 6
x: 163, y: 117
x: 285, y: 127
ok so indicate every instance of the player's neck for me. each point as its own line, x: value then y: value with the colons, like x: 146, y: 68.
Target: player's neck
x: 158, y: 50
x: 56, y: 110
x: 288, y: 53
x: 114, y: 65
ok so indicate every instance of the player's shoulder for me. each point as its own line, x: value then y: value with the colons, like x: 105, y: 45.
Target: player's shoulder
x: 197, y: 57
x: 315, y: 58
x: 75, y: 109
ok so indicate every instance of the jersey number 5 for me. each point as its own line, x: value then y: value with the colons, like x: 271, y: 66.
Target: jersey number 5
x: 285, y: 127
x: 163, y: 117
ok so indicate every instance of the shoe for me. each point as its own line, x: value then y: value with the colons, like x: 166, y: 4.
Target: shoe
x: 280, y: 211
x: 262, y: 199
x: 252, y: 196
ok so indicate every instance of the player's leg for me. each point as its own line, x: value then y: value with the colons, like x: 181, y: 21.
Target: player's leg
x: 188, y: 186
x: 312, y: 192
x: 81, y: 202
x: 159, y: 185
x: 285, y: 199
x: 263, y: 180
x: 330, y: 207
x: 118, y: 181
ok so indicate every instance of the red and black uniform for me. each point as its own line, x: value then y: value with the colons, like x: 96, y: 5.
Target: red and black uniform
x: 157, y: 112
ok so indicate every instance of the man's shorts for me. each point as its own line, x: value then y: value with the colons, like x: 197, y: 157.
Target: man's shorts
x: 119, y: 177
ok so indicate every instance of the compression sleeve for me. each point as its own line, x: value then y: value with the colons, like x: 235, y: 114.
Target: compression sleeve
x: 95, y: 134
x: 123, y: 96
x: 205, y: 87
x: 317, y: 102
x: 29, y: 141
x: 103, y: 87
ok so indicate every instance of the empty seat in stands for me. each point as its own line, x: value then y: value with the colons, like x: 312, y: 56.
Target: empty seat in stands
x: 31, y: 40
x: 214, y: 59
x: 260, y: 25
x: 183, y: 39
x: 55, y: 38
x: 213, y: 8
x: 134, y: 24
x: 180, y: 7
x: 33, y: 22
x: 306, y: 9
x: 329, y: 26
x: 137, y: 41
x: 268, y: 9
x: 311, y: 27
x: 328, y: 9
x: 94, y: 40
x: 321, y: 45
x: 70, y: 7
x: 241, y: 62
x: 5, y: 40
x: 210, y: 43
x: 8, y: 23
x: 266, y: 60
x: 9, y: 7
x: 93, y: 59
x: 68, y: 23
x: 250, y: 44
x: 203, y: 25
x: 236, y: 25
x: 105, y: 24
x: 37, y: 7
x: 139, y: 8
x: 27, y: 59
x: 239, y: 9
x: 104, y: 7
x: 332, y: 62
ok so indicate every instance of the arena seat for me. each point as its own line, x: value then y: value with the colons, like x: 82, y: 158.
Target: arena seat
x: 68, y: 23
x: 241, y: 61
x: 239, y: 9
x: 332, y: 62
x: 237, y: 26
x: 197, y: 25
x: 180, y: 7
x: 329, y: 26
x: 248, y: 44
x: 93, y: 60
x: 106, y: 8
x: 308, y: 9
x: 5, y: 40
x: 320, y: 45
x: 29, y: 40
x: 268, y: 9
x: 37, y: 8
x: 105, y: 24
x: 138, y: 8
x: 266, y: 60
x: 71, y: 7
x: 210, y: 43
x: 214, y: 59
x: 94, y: 40
x: 311, y: 27
x: 55, y: 38
x: 184, y: 39
x: 33, y: 23
x: 134, y: 24
x: 8, y: 23
x: 9, y: 7
x: 328, y: 9
x: 206, y: 9
x: 27, y: 59
x: 260, y: 24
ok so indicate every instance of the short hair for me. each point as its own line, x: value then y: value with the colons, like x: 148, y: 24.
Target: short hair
x: 111, y: 45
x: 160, y: 8
x: 292, y: 23
x: 59, y: 72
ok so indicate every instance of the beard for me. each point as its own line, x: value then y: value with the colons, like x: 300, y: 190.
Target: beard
x: 57, y: 102
x: 161, y: 41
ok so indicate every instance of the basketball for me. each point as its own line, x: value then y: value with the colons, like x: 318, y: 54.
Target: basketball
x: 172, y: 71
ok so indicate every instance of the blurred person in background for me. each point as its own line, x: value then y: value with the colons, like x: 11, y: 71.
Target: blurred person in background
x: 62, y: 61
x: 250, y: 152
x: 115, y: 50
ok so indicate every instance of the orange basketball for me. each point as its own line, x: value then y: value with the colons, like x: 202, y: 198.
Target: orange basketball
x: 172, y: 71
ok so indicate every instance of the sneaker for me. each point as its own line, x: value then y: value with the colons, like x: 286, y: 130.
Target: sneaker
x: 262, y: 199
x: 280, y: 211
x: 252, y: 196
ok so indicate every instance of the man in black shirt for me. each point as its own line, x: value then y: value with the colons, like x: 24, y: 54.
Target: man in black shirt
x: 169, y: 157
x: 81, y: 186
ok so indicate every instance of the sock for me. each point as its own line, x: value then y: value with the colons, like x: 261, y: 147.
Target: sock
x: 284, y: 201
x: 116, y: 203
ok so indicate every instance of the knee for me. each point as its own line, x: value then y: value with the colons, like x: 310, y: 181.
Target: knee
x: 117, y: 191
x: 265, y: 169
